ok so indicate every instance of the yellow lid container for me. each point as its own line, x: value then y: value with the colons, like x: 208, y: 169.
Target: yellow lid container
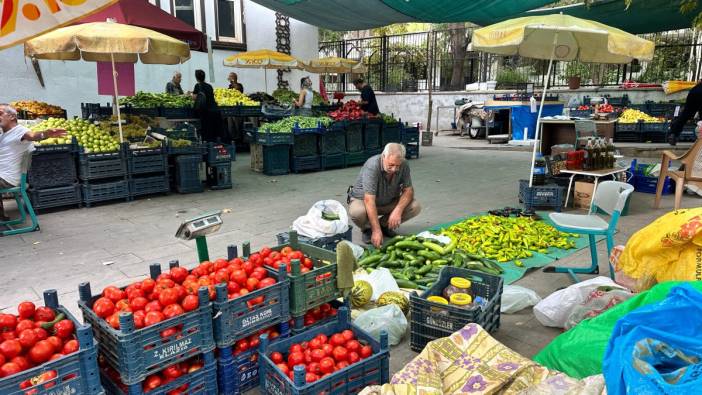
x: 461, y: 299
x: 460, y: 282
x: 438, y: 299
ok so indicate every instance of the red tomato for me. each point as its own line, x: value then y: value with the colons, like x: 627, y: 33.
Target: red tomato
x: 138, y: 303
x: 340, y: 354
x: 248, y: 267
x: 151, y: 382
x: 256, y: 259
x: 310, y: 377
x: 190, y: 303
x: 283, y: 368
x: 267, y: 282
x: 241, y: 346
x: 318, y: 354
x: 41, y: 352
x: 220, y: 263
x: 353, y: 357
x: 11, y: 348
x: 56, y: 343
x: 265, y: 252
x: 341, y: 365
x: 307, y: 263
x: 254, y: 342
x: 251, y: 284
x: 44, y: 314
x: 28, y: 338
x: 173, y: 371
x: 173, y: 310
x: 26, y: 310
x: 64, y: 329
x: 178, y: 274
x: 168, y: 296
x: 154, y: 305
x: 348, y: 334
x: 326, y: 365
x: 103, y: 307
x: 114, y: 294
x: 239, y: 276
x: 113, y: 320
x: 295, y: 348
x: 315, y: 343
x: 353, y: 345
x: 41, y: 333
x: 11, y: 335
x: 139, y: 316
x: 322, y: 338
x: 295, y: 358
x: 122, y: 305
x: 328, y: 349
x: 166, y: 333
x: 70, y: 346
x: 8, y: 369
x: 233, y: 287
x: 276, y: 357
x: 337, y: 339
x: 153, y: 317
x: 366, y: 351
x: 22, y: 362
x: 286, y: 251
x: 24, y: 324
x: 148, y: 285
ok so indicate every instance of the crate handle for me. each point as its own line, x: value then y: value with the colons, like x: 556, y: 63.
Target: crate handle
x: 232, y: 252
x: 84, y: 292
x: 51, y: 298
x: 154, y: 270
x: 173, y: 263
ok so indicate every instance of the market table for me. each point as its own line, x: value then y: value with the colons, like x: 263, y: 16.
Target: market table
x: 521, y: 117
x: 562, y: 131
x: 590, y: 173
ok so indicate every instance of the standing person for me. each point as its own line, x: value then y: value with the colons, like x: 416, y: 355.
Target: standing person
x: 173, y: 86
x: 383, y: 188
x: 693, y: 104
x: 368, y: 102
x: 304, y: 100
x: 15, y: 141
x: 234, y: 82
x: 206, y: 110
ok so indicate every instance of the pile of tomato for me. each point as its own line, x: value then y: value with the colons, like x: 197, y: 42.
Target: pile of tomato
x: 176, y: 292
x: 32, y: 337
x: 583, y: 108
x: 322, y: 355
x: 286, y: 255
x: 252, y: 342
x: 163, y: 377
x: 351, y: 110
x: 317, y: 314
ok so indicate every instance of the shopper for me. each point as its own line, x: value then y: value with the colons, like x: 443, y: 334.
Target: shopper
x: 173, y: 86
x: 693, y: 104
x: 234, y: 82
x: 368, y: 102
x: 15, y: 141
x: 304, y: 100
x: 383, y: 188
x: 206, y: 109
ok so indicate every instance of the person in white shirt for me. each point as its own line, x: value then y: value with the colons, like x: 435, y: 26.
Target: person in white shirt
x: 15, y: 140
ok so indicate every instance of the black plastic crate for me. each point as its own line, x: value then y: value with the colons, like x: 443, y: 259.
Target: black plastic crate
x: 187, y: 174
x: 580, y: 113
x: 688, y: 134
x: 103, y: 191
x: 390, y: 133
x: 194, y: 148
x: 149, y: 185
x: 324, y: 108
x: 627, y: 127
x: 410, y: 134
x: 219, y: 176
x: 267, y: 138
x: 334, y: 161
x: 328, y: 243
x: 305, y: 144
x: 430, y: 321
x: 655, y: 127
x: 305, y: 163
x: 666, y: 110
x: 151, y: 112
x: 240, y: 111
x: 271, y: 160
x: 654, y: 137
x: 52, y: 170
x: 373, y: 152
x: 411, y: 151
x: 219, y: 153
x: 371, y: 134
x: 627, y: 137
x: 71, y: 147
x: 354, y: 136
x: 95, y: 110
x: 541, y: 195
x: 55, y: 197
x: 94, y: 166
x: 355, y: 158
x: 147, y: 160
x: 332, y: 141
x: 177, y: 112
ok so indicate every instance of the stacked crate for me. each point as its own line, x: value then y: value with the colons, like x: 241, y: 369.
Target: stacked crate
x: 184, y: 162
x: 219, y: 165
x: 270, y: 152
x: 103, y: 176
x: 148, y: 170
x: 410, y: 139
x: 355, y: 151
x: 332, y: 145
x: 372, y: 142
x: 52, y: 177
x: 305, y: 149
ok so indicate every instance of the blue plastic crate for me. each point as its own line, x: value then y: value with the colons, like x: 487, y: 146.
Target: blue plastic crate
x: 390, y: 133
x: 137, y: 353
x: 149, y: 185
x: 355, y: 158
x: 298, y: 323
x: 374, y: 370
x: 328, y: 243
x: 371, y: 134
x: 77, y: 373
x: 55, y: 197
x: 146, y: 160
x: 104, y: 191
x: 648, y: 184
x: 333, y: 161
x: 202, y: 381
x: 94, y: 166
x: 177, y: 112
x: 410, y: 134
x: 411, y: 151
x: 430, y: 321
x: 219, y: 153
x: 234, y: 319
x: 187, y: 174
x: 299, y: 164
x: 541, y: 195
x: 219, y: 176
x: 52, y: 169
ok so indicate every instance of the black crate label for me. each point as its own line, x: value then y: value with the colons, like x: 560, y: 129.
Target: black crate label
x: 171, y: 350
x: 262, y: 316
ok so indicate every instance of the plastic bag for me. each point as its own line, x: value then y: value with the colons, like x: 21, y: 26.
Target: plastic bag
x: 657, y: 349
x: 515, y: 298
x: 314, y: 226
x: 389, y: 318
x: 599, y: 301
x: 381, y: 280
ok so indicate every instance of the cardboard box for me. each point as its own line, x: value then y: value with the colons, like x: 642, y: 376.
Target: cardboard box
x: 583, y: 194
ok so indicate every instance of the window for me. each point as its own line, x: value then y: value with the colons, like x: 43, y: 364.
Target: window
x: 188, y: 11
x: 230, y: 22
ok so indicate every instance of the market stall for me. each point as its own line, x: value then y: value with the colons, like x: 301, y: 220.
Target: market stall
x: 562, y: 131
x: 522, y: 116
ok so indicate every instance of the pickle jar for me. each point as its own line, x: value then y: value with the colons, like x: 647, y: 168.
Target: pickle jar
x: 457, y: 285
x: 440, y: 300
x: 461, y: 300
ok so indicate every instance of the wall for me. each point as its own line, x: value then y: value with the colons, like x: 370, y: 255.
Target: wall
x: 412, y: 107
x: 70, y: 83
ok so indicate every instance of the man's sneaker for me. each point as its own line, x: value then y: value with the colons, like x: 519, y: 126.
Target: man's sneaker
x: 367, y: 235
x: 387, y: 232
x: 672, y: 139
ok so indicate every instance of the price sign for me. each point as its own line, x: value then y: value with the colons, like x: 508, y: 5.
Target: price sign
x: 21, y: 20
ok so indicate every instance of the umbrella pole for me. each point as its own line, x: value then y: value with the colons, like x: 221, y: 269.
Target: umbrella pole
x: 541, y: 107
x: 265, y: 78
x: 114, y: 81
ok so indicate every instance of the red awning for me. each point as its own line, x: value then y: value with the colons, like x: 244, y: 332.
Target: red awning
x: 143, y: 14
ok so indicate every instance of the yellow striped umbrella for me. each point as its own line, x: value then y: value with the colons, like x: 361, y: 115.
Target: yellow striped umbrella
x: 264, y: 59
x: 335, y: 65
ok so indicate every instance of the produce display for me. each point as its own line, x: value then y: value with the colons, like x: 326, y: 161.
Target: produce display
x: 350, y: 111
x: 273, y: 259
x: 631, y: 115
x: 152, y: 100
x: 165, y: 376
x: 394, y: 297
x: 323, y: 355
x: 89, y: 136
x: 583, y: 108
x: 232, y: 97
x: 604, y: 108
x: 317, y: 314
x: 133, y: 127
x: 252, y: 342
x: 286, y: 125
x: 263, y: 97
x: 286, y: 96
x: 389, y: 119
x: 33, y: 336
x: 37, y: 107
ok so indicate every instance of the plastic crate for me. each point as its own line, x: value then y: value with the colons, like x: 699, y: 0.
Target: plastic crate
x: 50, y: 170
x: 219, y: 153
x: 334, y: 161
x: 95, y: 110
x: 354, y: 136
x: 390, y: 133
x: 187, y: 174
x: 194, y: 148
x: 99, y: 165
x: 151, y: 112
x: 55, y: 197
x: 355, y: 158
x: 26, y: 114
x: 235, y: 320
x: 272, y: 160
x: 332, y: 141
x: 662, y: 109
x: 655, y: 126
x: 149, y: 185
x: 627, y: 137
x: 177, y: 112
x: 410, y: 134
x: 241, y: 111
x: 648, y: 184
x: 371, y: 134
x: 299, y: 164
x: 541, y: 195
x: 219, y: 176
x: 182, y: 131
x: 688, y: 134
x: 411, y: 151
x: 202, y: 381
x: 430, y: 321
x: 373, y: 152
x: 627, y: 127
x: 267, y: 138
x: 82, y: 364
x: 103, y: 191
x: 305, y: 144
x: 146, y: 160
x: 71, y: 147
x: 654, y: 137
x: 325, y: 108
x: 298, y: 324
x: 580, y: 113
x: 137, y: 353
x: 328, y: 243
x: 373, y: 370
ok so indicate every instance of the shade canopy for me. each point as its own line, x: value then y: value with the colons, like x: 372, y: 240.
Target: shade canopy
x: 335, y: 65
x: 108, y: 41
x: 564, y: 37
x: 264, y: 59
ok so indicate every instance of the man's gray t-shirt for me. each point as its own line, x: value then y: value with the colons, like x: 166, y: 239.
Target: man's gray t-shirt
x: 373, y: 180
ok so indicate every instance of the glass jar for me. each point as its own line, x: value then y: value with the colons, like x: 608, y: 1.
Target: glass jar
x: 439, y: 300
x: 457, y: 285
x: 461, y: 300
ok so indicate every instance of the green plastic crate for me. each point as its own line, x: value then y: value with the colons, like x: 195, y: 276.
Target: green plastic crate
x: 354, y: 136
x: 306, y: 144
x: 355, y: 158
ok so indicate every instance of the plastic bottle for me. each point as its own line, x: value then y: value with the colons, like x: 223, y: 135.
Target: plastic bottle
x: 610, y: 148
x: 539, y: 176
x: 587, y: 164
x: 596, y: 155
x: 480, y: 302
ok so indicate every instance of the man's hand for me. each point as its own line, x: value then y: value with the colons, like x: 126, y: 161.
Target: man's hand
x: 55, y: 132
x: 395, y: 219
x: 377, y: 238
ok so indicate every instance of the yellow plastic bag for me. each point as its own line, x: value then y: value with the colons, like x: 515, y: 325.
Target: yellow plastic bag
x: 670, y: 248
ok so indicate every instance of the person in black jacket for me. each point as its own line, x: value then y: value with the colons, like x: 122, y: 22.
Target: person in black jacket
x: 206, y: 110
x: 693, y: 104
x: 368, y: 102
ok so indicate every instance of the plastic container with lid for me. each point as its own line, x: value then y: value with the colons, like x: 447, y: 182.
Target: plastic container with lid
x: 439, y: 300
x: 461, y: 300
x: 457, y: 285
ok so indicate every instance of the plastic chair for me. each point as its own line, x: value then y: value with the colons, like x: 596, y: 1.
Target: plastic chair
x: 610, y: 198
x: 692, y: 159
x: 584, y: 129
x: 24, y: 205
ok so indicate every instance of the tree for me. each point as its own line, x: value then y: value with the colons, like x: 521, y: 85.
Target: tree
x: 459, y: 47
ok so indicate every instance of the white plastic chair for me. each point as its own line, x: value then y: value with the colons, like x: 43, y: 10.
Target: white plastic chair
x: 610, y: 198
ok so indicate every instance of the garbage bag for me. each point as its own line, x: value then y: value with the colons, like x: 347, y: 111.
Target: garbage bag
x: 579, y: 351
x: 314, y: 225
x: 381, y: 280
x: 515, y: 298
x: 389, y: 318
x: 657, y: 349
x: 596, y: 303
x: 670, y: 248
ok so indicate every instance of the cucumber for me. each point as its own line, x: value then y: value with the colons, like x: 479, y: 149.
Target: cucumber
x: 429, y: 254
x: 424, y: 269
x: 409, y: 244
x: 402, y: 283
x: 370, y: 259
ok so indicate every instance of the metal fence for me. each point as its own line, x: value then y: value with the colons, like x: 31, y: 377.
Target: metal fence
x: 400, y: 63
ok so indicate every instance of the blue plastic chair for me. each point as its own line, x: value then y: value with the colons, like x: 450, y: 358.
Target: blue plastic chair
x: 24, y: 205
x: 610, y: 198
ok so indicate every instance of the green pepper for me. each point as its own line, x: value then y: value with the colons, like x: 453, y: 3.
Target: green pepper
x: 49, y: 326
x: 408, y: 256
x: 389, y: 264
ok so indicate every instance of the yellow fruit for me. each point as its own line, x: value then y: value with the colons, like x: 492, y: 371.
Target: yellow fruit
x: 361, y: 293
x: 232, y: 97
x: 394, y: 297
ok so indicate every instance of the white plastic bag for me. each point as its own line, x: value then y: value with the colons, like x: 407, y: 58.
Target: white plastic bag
x: 515, y: 298
x: 555, y: 309
x: 312, y: 224
x: 389, y: 318
x: 381, y: 280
